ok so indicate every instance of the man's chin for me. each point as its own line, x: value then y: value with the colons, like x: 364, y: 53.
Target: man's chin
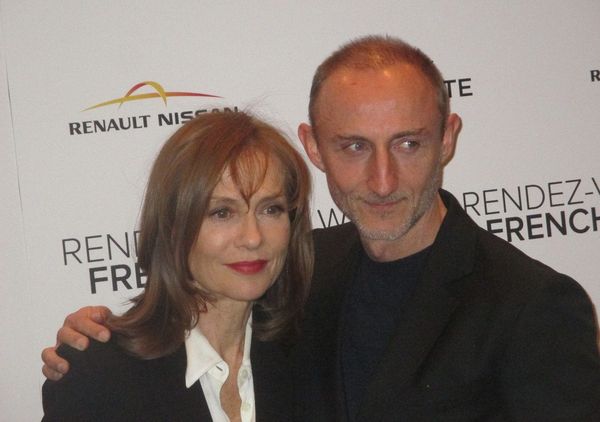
x: 388, y: 232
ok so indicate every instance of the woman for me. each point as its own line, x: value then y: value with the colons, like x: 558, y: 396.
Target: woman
x: 226, y: 245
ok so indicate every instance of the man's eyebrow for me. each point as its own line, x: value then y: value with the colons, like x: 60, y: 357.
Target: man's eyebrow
x: 405, y: 133
x: 359, y: 138
x: 355, y: 138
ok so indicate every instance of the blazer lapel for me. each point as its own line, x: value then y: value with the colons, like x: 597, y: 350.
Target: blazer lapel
x: 320, y: 392
x: 178, y: 403
x: 346, y: 272
x: 272, y: 382
x: 272, y: 386
x: 426, y: 315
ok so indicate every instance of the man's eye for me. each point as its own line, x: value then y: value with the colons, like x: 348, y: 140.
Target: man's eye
x: 409, y: 144
x: 355, y: 147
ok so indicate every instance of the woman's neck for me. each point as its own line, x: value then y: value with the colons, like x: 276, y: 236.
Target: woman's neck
x: 224, y: 326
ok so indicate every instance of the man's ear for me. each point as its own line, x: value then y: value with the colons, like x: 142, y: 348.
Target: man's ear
x: 453, y: 127
x: 306, y: 135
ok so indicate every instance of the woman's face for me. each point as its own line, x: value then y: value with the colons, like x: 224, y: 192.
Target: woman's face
x: 241, y: 247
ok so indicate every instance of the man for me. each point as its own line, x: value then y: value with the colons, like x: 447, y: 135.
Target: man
x: 416, y: 313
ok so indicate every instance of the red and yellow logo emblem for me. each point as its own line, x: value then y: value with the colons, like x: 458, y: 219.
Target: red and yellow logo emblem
x: 160, y: 93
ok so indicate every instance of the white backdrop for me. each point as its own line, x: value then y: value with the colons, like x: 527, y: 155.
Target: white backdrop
x: 521, y: 74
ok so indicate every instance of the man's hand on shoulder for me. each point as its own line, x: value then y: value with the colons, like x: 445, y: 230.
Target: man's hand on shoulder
x: 75, y: 332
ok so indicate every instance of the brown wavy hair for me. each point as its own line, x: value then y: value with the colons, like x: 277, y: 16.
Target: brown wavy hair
x: 183, y: 177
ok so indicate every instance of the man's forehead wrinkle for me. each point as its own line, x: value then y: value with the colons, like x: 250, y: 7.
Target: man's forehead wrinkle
x: 378, y: 105
x: 349, y: 137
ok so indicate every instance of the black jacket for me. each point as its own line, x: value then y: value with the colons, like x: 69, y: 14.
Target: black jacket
x: 105, y: 384
x: 489, y: 335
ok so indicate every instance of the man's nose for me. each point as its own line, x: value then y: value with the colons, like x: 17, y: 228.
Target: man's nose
x: 383, y: 173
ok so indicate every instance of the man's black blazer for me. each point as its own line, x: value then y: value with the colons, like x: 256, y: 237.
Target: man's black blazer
x: 105, y: 384
x: 488, y: 335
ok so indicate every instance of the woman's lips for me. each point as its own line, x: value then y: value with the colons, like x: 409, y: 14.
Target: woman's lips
x: 248, y: 267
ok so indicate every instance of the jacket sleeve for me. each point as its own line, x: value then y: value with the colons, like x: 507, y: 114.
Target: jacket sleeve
x: 72, y: 397
x: 551, y: 368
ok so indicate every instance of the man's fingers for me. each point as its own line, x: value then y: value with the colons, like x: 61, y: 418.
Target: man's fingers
x: 54, y: 366
x: 85, y: 322
x: 72, y: 338
x: 78, y: 326
x: 100, y: 314
x: 50, y: 374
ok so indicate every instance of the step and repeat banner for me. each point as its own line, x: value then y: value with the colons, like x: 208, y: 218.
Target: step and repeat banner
x: 90, y: 90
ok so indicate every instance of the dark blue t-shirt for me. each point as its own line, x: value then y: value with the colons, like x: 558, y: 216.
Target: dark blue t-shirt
x: 373, y: 305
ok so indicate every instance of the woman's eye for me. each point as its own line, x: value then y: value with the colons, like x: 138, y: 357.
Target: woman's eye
x: 221, y: 213
x: 275, y: 210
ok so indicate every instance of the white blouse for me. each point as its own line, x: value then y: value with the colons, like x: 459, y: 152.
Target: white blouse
x: 205, y: 365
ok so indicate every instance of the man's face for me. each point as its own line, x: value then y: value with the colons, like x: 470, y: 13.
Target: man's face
x: 378, y: 139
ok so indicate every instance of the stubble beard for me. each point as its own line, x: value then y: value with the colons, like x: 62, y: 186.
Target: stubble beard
x: 415, y: 212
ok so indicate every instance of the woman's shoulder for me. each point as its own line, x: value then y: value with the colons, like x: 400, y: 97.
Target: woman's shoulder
x: 103, y: 382
x: 98, y: 357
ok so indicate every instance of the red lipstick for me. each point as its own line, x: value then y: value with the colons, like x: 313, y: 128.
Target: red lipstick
x: 248, y: 267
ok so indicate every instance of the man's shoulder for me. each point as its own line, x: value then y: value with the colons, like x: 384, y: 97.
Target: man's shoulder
x: 334, y: 244
x: 508, y: 270
x: 335, y: 252
x: 505, y: 256
x: 325, y: 237
x: 500, y: 266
